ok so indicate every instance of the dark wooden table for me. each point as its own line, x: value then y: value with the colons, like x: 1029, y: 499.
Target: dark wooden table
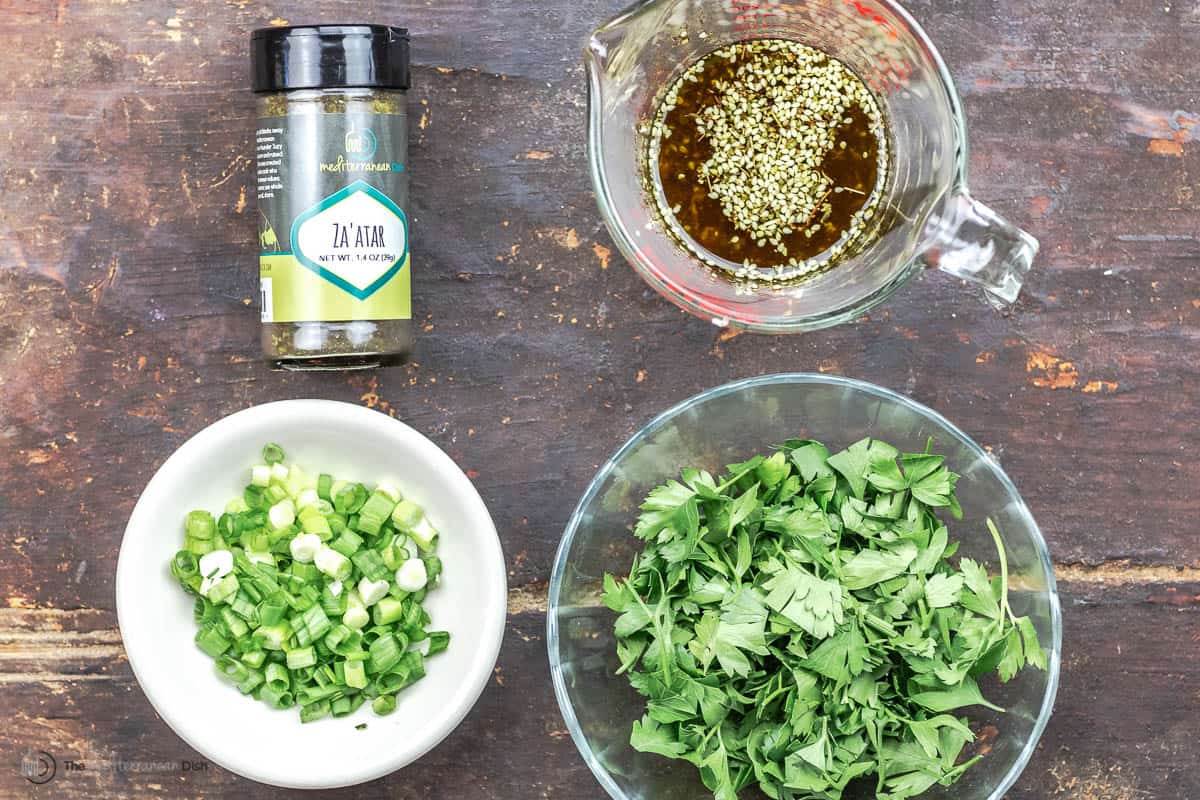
x: 127, y: 323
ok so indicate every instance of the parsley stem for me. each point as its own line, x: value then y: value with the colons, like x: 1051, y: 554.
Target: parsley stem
x: 722, y: 487
x: 881, y: 625
x: 944, y: 630
x: 1004, y: 607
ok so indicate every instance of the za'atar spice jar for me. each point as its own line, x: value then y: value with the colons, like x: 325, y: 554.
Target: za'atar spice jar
x: 332, y: 160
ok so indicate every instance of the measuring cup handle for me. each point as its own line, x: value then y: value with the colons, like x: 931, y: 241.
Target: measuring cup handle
x: 970, y: 241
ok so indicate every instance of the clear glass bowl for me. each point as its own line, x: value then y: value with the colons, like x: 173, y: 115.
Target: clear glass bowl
x: 728, y: 424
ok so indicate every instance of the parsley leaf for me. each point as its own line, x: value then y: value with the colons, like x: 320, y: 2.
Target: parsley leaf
x: 964, y: 694
x: 980, y: 597
x: 651, y: 737
x: 860, y: 459
x: 943, y: 590
x: 738, y: 627
x: 1034, y: 655
x: 662, y: 507
x: 841, y: 657
x: 813, y: 604
x: 869, y: 567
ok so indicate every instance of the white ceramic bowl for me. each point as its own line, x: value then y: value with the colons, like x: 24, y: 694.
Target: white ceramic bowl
x: 240, y: 733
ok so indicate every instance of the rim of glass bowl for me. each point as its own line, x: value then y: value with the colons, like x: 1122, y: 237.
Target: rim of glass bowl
x: 701, y: 304
x: 556, y: 672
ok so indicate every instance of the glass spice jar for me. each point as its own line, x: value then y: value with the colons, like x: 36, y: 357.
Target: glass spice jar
x: 332, y: 180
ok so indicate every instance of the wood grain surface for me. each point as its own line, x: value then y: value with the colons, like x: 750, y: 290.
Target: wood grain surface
x: 127, y: 323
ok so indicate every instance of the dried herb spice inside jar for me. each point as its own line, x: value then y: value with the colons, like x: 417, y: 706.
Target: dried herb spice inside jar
x: 332, y: 151
x: 768, y: 156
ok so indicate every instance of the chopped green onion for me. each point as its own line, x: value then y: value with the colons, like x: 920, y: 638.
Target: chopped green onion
x: 260, y: 475
x: 383, y: 654
x: 306, y: 572
x: 393, y: 556
x: 336, y: 635
x: 356, y: 615
x: 276, y: 698
x: 306, y: 498
x: 185, y: 565
x: 433, y: 568
x: 200, y: 525
x: 312, y: 521
x: 375, y: 512
x: 282, y: 514
x: 287, y: 581
x: 232, y: 668
x: 387, y: 611
x: 298, y: 480
x: 199, y: 533
x: 333, y: 605
x: 252, y: 520
x: 333, y: 564
x: 223, y: 589
x: 272, y: 453
x: 313, y: 694
x: 349, y: 498
x: 271, y: 610
x: 315, y: 622
x: 314, y: 712
x: 244, y: 607
x: 252, y: 681
x: 349, y: 645
x: 410, y: 518
x: 406, y: 515
x: 356, y: 674
x: 277, y: 676
x: 254, y: 658
x: 253, y: 495
x: 210, y: 640
x: 348, y: 543
x: 234, y: 624
x: 438, y: 641
x: 371, y: 565
x: 273, y: 637
x: 237, y: 505
x: 303, y: 657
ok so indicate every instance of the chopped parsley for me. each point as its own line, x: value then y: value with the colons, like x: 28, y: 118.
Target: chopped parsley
x: 797, y: 624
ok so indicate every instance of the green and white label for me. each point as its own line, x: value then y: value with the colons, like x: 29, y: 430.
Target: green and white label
x: 333, y: 234
x: 357, y: 239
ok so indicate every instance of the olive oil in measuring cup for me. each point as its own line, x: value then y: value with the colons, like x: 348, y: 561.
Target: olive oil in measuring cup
x: 768, y: 157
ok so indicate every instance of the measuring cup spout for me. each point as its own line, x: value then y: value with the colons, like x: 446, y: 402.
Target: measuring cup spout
x: 973, y: 242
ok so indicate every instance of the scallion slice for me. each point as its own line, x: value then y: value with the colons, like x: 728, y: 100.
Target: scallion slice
x: 272, y: 453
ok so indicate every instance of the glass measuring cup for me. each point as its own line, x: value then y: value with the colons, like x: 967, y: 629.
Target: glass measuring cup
x: 926, y: 217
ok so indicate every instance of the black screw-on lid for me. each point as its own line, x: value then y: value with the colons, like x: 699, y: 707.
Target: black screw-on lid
x: 329, y: 57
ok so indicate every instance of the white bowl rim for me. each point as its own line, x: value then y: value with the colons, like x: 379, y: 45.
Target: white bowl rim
x: 487, y: 648
x: 552, y: 634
